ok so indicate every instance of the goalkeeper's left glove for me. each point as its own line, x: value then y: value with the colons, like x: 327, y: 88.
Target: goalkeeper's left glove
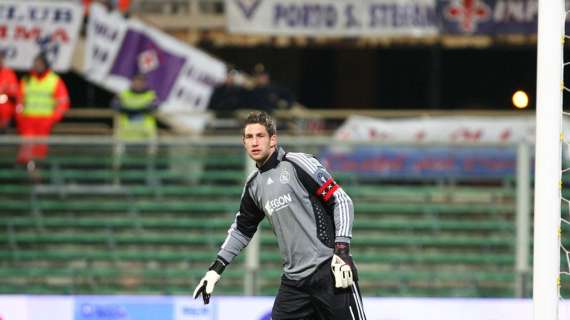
x: 342, y: 266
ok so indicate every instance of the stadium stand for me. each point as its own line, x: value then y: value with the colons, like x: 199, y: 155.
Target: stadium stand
x: 90, y: 227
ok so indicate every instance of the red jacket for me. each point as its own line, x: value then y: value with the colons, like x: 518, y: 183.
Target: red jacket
x: 8, y: 82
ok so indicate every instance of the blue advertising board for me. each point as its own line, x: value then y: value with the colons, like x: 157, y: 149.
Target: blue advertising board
x: 434, y: 162
x: 123, y: 308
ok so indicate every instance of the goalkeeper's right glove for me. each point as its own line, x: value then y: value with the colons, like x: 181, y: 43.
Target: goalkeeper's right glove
x: 206, y: 285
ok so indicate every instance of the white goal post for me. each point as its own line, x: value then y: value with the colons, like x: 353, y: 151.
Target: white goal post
x: 551, y: 19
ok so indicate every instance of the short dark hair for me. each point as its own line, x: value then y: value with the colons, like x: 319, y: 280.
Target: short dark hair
x: 43, y: 57
x: 261, y: 118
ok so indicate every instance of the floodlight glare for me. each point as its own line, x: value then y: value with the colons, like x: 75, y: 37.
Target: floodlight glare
x: 520, y: 99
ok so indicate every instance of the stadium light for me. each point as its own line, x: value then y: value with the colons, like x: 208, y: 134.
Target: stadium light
x: 520, y: 99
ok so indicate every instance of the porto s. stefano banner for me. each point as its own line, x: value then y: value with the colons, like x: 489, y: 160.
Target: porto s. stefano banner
x: 117, y: 48
x: 333, y: 17
x: 383, y: 17
x: 28, y: 28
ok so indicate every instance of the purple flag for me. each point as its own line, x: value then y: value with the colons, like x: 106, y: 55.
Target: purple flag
x: 140, y: 54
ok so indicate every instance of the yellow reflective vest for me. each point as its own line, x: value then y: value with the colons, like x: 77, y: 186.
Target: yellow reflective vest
x: 143, y: 126
x: 39, y: 99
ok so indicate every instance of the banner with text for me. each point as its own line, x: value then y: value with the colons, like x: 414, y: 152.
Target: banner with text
x: 118, y: 48
x: 451, y: 129
x: 333, y: 17
x: 383, y: 17
x: 28, y: 28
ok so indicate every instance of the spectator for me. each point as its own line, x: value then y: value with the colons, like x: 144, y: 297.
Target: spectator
x: 267, y: 96
x: 8, y: 93
x: 229, y: 96
x: 43, y: 101
x: 136, y: 107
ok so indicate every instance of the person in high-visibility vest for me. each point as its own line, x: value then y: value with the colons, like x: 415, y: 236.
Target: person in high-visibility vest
x: 135, y: 121
x: 43, y: 101
x: 136, y: 107
x: 8, y: 93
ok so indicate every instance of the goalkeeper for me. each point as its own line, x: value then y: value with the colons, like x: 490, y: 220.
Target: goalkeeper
x: 312, y: 219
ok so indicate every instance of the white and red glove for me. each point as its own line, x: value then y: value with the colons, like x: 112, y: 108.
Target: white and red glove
x: 342, y: 266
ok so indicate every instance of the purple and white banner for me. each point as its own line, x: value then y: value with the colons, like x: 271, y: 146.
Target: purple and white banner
x: 26, y: 28
x: 117, y: 48
x: 333, y: 17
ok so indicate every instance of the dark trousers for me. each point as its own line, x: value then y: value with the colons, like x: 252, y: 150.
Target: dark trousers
x: 316, y: 298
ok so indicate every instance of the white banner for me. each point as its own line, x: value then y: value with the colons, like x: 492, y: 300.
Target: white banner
x: 259, y: 308
x: 26, y: 28
x: 454, y: 129
x: 105, y: 32
x: 14, y: 308
x: 116, y: 49
x: 50, y: 308
x: 333, y: 17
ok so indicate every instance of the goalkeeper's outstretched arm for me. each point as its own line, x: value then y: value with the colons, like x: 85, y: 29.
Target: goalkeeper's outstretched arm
x: 240, y: 233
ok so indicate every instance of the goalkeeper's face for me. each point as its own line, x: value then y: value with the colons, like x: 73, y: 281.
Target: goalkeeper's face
x: 258, y: 144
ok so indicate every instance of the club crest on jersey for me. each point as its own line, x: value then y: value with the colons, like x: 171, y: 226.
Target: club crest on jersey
x: 276, y: 204
x: 284, y: 177
x: 322, y: 176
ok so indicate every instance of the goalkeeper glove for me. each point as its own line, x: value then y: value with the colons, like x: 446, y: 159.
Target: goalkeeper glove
x: 342, y: 266
x: 206, y: 285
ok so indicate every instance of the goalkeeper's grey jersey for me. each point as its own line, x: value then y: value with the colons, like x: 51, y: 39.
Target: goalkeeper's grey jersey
x: 307, y: 209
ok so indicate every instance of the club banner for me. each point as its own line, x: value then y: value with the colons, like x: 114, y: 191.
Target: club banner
x: 27, y: 28
x: 488, y: 16
x: 333, y: 17
x: 452, y: 129
x: 117, y: 48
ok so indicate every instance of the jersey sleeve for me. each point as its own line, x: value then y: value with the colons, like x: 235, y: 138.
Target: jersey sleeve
x: 319, y: 182
x: 243, y: 228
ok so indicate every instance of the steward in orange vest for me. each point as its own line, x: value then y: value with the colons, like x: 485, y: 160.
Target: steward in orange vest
x: 44, y: 100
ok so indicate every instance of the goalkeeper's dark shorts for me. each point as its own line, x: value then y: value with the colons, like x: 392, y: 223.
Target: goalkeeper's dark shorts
x: 316, y: 298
